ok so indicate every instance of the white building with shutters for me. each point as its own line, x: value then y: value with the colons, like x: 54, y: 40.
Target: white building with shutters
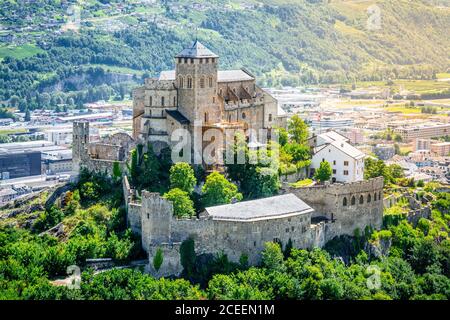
x: 347, y: 162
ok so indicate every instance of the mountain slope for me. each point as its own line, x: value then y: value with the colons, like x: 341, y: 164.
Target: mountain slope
x: 292, y: 41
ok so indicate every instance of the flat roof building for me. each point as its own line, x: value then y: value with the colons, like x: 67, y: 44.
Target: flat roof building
x: 429, y: 130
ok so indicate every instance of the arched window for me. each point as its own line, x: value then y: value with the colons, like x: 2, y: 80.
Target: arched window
x: 375, y: 196
x: 243, y: 115
x: 210, y: 80
x: 181, y: 81
x: 189, y: 83
x: 369, y: 198
x: 361, y: 199
x: 202, y: 82
x: 344, y: 202
x: 353, y: 202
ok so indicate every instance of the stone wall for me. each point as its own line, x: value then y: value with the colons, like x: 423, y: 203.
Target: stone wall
x: 294, y: 177
x: 160, y: 229
x: 351, y: 205
x: 414, y: 216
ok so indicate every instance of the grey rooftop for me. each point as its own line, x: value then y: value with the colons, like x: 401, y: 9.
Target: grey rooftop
x: 222, y: 75
x: 197, y: 50
x: 276, y: 207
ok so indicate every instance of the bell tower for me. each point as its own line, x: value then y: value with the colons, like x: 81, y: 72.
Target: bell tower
x: 196, y: 81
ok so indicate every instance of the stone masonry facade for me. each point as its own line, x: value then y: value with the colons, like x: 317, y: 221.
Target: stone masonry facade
x: 99, y: 156
x: 332, y: 216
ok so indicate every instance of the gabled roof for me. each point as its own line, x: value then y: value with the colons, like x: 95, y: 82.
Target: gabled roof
x: 331, y: 136
x: 178, y: 116
x: 343, y: 146
x: 276, y: 207
x: 222, y: 75
x: 348, y: 149
x: 197, y: 50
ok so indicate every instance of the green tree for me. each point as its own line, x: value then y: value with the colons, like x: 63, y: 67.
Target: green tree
x: 134, y: 167
x: 182, y: 204
x: 117, y: 173
x: 89, y: 191
x: 257, y: 178
x: 283, y: 136
x: 188, y: 256
x: 27, y: 115
x: 298, y: 151
x: 298, y: 129
x: 272, y: 256
x: 158, y: 259
x: 218, y: 190
x: 182, y: 176
x: 151, y: 171
x: 324, y: 172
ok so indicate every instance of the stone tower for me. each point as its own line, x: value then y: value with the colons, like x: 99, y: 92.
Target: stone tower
x: 196, y: 80
x: 79, y: 143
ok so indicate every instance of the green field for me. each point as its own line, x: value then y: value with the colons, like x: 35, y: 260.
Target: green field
x: 415, y: 86
x: 11, y: 131
x: 19, y: 52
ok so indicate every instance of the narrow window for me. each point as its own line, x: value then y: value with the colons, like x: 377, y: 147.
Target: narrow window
x: 361, y: 199
x: 151, y: 101
x: 369, y: 198
x: 210, y: 82
x: 353, y: 200
x: 162, y: 101
x: 344, y: 202
x: 206, y: 117
x: 243, y: 115
x: 181, y: 82
x: 270, y: 117
x: 202, y: 82
x: 375, y: 196
x: 174, y: 101
x: 189, y: 83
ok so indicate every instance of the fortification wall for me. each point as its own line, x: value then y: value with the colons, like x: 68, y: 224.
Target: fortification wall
x: 350, y: 205
x: 160, y: 229
x: 101, y: 165
x: 322, y: 232
x: 171, y: 264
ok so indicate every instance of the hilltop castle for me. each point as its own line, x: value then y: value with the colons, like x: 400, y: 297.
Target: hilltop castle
x: 197, y: 94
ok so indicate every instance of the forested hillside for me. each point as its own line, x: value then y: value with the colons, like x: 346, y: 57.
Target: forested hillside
x: 282, y: 41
